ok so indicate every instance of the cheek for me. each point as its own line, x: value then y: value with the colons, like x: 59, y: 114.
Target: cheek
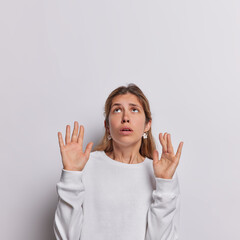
x: 140, y: 122
x: 113, y: 121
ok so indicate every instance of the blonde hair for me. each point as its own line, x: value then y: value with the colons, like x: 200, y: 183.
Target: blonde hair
x: 148, y: 144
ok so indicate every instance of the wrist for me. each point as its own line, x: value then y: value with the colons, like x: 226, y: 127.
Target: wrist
x: 72, y: 169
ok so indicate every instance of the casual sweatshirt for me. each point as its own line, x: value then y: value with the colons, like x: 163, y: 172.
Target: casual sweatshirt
x: 111, y: 200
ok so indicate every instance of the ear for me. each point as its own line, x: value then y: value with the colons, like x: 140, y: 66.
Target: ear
x: 105, y: 124
x: 148, y: 126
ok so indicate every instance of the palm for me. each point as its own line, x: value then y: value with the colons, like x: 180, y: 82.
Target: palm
x: 166, y: 166
x: 73, y: 157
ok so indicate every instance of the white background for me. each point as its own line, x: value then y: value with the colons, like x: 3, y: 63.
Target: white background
x: 59, y: 61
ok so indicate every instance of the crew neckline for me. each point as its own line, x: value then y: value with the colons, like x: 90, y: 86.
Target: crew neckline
x: 117, y: 163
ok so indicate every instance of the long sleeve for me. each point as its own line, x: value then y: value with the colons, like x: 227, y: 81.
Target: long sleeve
x: 68, y: 218
x: 164, y: 212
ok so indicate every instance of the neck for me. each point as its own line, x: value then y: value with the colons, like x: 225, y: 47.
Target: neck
x: 125, y: 154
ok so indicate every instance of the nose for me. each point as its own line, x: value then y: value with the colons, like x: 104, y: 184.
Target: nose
x: 125, y: 117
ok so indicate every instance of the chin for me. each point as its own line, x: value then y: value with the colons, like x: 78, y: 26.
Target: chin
x: 126, y: 142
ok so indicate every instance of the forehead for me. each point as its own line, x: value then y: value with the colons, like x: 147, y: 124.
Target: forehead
x: 126, y: 99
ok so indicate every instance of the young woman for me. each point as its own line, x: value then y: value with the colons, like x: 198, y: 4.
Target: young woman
x: 121, y: 190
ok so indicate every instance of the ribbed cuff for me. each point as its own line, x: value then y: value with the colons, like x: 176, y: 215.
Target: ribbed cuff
x: 71, y: 176
x: 168, y: 185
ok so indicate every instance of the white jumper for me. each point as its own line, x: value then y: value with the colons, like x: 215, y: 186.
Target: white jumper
x: 111, y: 200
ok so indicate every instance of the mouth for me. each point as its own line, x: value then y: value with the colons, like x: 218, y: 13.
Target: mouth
x: 126, y: 129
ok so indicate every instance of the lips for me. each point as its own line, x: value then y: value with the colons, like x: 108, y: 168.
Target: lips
x: 126, y: 129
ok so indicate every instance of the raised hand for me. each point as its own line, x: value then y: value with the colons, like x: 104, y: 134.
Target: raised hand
x: 166, y: 166
x: 73, y: 157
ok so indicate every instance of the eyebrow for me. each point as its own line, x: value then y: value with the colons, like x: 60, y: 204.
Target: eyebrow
x: 130, y: 104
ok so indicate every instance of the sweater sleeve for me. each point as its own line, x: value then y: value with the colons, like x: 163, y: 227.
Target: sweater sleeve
x: 68, y: 218
x: 164, y: 212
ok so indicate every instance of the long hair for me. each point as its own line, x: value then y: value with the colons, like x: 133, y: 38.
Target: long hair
x: 148, y: 144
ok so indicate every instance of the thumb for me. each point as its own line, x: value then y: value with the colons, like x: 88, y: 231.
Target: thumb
x: 155, y: 156
x: 88, y: 149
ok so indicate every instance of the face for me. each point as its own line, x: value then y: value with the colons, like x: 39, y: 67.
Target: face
x: 127, y: 120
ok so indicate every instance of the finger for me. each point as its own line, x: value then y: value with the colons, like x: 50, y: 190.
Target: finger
x: 75, y: 132
x: 179, y: 150
x: 67, y: 137
x: 88, y: 149
x: 163, y: 143
x: 164, y: 136
x: 155, y: 156
x: 60, y: 141
x: 169, y: 144
x: 80, y: 137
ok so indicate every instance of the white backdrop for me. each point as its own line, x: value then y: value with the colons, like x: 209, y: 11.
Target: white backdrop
x: 61, y: 59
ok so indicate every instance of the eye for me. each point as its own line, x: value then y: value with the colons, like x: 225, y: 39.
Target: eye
x: 135, y: 109
x: 116, y: 110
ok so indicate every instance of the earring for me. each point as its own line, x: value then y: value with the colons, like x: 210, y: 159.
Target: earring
x: 144, y: 135
x: 109, y: 137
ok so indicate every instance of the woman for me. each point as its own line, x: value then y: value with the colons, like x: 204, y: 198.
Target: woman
x: 121, y: 190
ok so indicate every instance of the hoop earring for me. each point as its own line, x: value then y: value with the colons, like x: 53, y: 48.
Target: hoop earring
x: 144, y: 135
x: 109, y: 137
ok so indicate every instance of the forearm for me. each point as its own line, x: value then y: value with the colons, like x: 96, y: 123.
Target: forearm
x: 163, y: 214
x: 69, y: 214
